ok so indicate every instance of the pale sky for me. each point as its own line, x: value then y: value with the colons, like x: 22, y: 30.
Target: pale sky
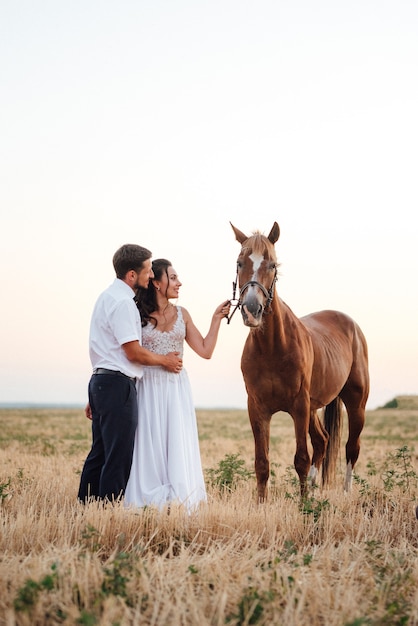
x: 159, y: 122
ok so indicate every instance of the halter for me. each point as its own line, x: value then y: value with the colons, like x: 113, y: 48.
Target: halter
x: 267, y: 294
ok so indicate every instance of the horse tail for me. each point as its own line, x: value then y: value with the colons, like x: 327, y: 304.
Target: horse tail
x: 333, y: 426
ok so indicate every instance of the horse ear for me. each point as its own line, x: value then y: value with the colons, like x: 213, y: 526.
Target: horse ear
x: 239, y: 236
x: 274, y: 233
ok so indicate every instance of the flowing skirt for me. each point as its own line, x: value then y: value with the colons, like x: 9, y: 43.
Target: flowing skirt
x: 166, y: 465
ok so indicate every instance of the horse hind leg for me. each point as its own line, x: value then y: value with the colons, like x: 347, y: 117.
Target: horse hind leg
x: 354, y: 395
x: 319, y: 440
x: 355, y: 404
x: 356, y: 419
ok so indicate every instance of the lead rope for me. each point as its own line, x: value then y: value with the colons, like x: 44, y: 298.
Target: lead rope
x: 233, y: 299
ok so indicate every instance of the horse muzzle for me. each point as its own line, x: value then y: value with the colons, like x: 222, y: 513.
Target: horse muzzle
x: 252, y: 308
x: 252, y: 312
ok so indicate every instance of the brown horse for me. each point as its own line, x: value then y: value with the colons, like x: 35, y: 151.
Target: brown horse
x: 298, y: 366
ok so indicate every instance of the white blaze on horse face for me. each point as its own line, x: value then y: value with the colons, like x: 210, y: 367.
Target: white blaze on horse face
x: 257, y: 260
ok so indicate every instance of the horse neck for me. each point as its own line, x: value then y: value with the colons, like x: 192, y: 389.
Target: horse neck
x: 276, y: 320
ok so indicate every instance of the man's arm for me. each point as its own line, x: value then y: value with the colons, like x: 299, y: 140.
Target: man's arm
x: 137, y: 354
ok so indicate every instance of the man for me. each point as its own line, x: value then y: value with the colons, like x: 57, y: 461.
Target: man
x: 117, y: 358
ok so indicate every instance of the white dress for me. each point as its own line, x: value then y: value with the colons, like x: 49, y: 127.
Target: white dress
x: 166, y: 465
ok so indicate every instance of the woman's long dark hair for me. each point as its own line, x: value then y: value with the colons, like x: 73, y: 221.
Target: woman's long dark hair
x: 146, y: 299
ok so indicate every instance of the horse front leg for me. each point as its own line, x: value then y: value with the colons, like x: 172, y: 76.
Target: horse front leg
x: 302, y: 461
x: 260, y: 424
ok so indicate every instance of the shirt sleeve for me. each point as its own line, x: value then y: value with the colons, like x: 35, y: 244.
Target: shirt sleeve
x: 126, y: 322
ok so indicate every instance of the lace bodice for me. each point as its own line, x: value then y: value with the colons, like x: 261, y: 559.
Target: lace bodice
x: 163, y: 342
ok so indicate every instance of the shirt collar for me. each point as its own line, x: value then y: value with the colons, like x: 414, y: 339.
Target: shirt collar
x: 122, y: 285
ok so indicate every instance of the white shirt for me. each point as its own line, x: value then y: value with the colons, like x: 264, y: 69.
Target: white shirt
x: 115, y: 321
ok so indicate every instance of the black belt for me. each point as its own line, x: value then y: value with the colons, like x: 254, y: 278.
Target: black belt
x: 102, y: 370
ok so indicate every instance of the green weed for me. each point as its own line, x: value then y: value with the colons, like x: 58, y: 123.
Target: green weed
x: 117, y: 575
x: 5, y: 490
x: 230, y: 472
x: 251, y: 607
x: 90, y: 539
x: 398, y: 471
x: 28, y: 594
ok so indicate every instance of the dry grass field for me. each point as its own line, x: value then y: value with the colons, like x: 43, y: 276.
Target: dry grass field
x: 335, y: 559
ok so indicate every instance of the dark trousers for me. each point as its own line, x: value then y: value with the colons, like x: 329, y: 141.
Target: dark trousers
x: 113, y: 402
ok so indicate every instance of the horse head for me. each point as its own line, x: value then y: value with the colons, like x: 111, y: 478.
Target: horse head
x: 256, y: 272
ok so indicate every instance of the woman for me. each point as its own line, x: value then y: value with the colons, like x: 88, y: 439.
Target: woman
x: 166, y: 463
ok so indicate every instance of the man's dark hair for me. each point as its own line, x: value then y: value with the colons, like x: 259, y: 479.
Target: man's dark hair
x: 129, y: 257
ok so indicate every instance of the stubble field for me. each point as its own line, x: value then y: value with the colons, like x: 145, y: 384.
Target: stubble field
x: 335, y: 559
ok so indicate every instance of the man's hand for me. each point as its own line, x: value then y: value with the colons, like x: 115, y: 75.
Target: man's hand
x: 88, y: 412
x: 172, y: 362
